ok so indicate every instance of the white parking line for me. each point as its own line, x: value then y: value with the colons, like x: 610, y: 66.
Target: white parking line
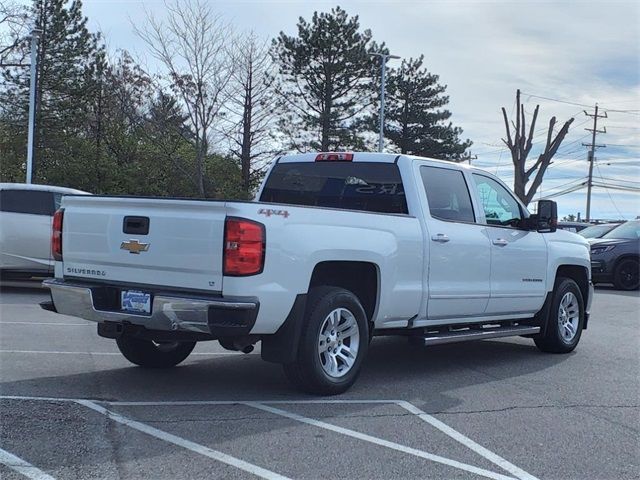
x: 264, y: 405
x: 466, y: 441
x: 54, y: 352
x: 379, y: 441
x: 184, y: 443
x: 49, y: 323
x: 24, y: 468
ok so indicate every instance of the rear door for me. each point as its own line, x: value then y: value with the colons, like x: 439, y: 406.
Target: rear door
x: 147, y: 241
x: 518, y: 257
x: 458, y: 249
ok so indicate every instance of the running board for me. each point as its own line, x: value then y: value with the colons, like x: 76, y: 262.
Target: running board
x: 437, y: 338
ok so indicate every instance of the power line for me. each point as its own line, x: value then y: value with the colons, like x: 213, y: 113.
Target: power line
x: 616, y: 179
x: 565, y: 192
x: 567, y: 102
x: 557, y: 100
x: 609, y: 195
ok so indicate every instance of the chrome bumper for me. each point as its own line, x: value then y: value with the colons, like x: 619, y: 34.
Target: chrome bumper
x: 168, y: 312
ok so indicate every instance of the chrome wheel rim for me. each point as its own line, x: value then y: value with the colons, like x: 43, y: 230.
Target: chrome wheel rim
x: 338, y: 342
x: 568, y: 317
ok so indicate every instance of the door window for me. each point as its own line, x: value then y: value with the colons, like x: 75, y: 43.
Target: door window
x: 34, y: 202
x: 447, y: 194
x: 500, y: 208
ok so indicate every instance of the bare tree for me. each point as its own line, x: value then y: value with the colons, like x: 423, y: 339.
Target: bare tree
x: 251, y: 107
x: 13, y: 33
x: 192, y: 45
x: 520, y: 144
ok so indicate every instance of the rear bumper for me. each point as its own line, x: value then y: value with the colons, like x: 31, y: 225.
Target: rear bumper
x: 183, y: 312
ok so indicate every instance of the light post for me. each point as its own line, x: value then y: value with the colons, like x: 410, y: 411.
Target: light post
x: 35, y: 37
x: 383, y: 66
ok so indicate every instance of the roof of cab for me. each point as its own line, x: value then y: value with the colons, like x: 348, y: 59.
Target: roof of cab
x: 46, y: 188
x: 361, y: 157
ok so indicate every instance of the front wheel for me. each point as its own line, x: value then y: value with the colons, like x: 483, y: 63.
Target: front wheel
x: 334, y: 341
x: 150, y: 354
x: 626, y: 275
x: 566, y: 319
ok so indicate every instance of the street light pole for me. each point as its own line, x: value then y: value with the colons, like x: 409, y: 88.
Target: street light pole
x: 35, y: 36
x: 383, y: 63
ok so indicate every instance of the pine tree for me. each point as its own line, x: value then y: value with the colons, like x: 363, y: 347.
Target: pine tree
x: 325, y: 81
x: 415, y: 121
x: 67, y: 55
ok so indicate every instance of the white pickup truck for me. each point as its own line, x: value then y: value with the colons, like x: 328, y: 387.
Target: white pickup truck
x: 338, y: 247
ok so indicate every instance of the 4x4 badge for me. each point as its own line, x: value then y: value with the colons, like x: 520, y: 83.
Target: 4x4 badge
x: 269, y: 211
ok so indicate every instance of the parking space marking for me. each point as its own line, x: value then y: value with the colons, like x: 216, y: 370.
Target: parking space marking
x: 184, y: 443
x: 23, y: 467
x: 466, y: 441
x: 49, y: 323
x: 379, y: 441
x: 264, y: 405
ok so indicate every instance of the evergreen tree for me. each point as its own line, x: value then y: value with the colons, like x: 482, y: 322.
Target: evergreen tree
x: 415, y: 121
x: 67, y: 55
x: 325, y: 81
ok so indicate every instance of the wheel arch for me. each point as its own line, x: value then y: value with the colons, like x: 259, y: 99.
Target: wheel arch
x: 626, y: 256
x: 360, y: 277
x: 578, y: 274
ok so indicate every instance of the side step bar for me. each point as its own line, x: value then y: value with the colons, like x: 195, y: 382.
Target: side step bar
x: 464, y: 335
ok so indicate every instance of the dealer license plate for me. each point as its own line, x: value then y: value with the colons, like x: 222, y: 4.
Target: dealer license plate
x: 135, y: 301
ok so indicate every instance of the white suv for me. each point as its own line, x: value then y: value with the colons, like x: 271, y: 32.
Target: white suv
x: 26, y: 212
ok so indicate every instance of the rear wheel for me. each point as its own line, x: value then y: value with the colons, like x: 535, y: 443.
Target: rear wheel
x: 566, y: 318
x: 150, y: 354
x: 334, y: 341
x: 626, y: 275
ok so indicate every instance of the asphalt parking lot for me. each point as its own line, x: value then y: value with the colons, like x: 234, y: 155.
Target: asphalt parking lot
x: 73, y: 408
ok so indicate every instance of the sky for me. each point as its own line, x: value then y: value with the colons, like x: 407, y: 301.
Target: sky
x: 573, y: 53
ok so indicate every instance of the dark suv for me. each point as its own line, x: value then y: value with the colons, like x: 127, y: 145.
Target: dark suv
x: 616, y: 257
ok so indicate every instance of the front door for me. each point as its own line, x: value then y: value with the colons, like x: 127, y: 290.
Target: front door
x: 518, y: 257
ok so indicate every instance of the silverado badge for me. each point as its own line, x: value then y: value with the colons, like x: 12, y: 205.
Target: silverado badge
x: 134, y: 246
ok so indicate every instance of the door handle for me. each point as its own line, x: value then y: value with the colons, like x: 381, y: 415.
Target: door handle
x: 501, y: 242
x: 440, y: 238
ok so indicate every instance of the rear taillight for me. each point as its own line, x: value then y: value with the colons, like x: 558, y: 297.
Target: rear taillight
x: 56, y: 235
x: 244, y: 245
x: 334, y: 157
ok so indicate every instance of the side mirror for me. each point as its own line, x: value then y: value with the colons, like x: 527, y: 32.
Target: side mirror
x: 547, y: 216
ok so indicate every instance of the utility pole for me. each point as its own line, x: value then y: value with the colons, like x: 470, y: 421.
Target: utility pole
x: 468, y: 157
x: 592, y: 153
x: 35, y: 37
x: 383, y: 66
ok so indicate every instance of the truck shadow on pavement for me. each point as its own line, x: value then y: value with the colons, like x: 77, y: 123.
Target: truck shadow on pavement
x: 606, y: 288
x: 393, y: 370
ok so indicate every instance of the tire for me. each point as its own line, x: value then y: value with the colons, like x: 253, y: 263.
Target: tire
x: 332, y: 315
x: 566, y: 319
x: 626, y: 275
x: 149, y: 354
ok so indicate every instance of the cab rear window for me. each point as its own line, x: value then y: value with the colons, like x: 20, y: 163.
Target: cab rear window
x: 367, y: 186
x: 33, y: 202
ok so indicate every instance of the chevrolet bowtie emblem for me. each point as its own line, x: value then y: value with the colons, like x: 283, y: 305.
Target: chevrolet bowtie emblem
x: 134, y: 246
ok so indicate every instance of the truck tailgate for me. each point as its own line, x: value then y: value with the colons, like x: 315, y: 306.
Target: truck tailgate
x: 183, y: 246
